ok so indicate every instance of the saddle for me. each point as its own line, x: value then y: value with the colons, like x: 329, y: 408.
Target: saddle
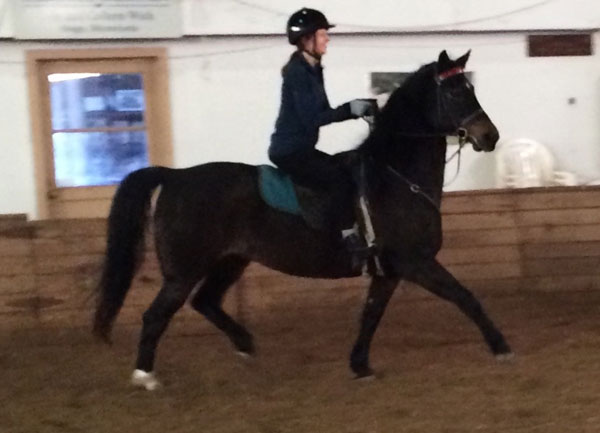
x: 279, y: 191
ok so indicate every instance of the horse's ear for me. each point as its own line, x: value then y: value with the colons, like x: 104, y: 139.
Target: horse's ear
x: 443, y: 59
x: 462, y: 61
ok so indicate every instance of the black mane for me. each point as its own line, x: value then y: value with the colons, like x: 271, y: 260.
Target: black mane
x: 404, y: 107
x: 409, y: 91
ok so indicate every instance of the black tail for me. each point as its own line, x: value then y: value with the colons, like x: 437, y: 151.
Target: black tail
x: 126, y: 224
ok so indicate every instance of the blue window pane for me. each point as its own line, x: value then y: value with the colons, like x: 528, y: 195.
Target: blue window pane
x: 97, y: 158
x: 92, y: 100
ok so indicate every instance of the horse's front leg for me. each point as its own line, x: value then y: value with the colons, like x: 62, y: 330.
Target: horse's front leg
x: 435, y: 278
x: 380, y: 292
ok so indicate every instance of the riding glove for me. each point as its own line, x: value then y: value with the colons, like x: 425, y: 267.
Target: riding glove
x: 363, y: 107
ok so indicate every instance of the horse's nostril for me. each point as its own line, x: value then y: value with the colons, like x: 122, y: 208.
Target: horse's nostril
x: 492, y: 137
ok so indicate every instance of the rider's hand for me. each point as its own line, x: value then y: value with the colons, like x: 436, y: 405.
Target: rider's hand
x: 363, y: 107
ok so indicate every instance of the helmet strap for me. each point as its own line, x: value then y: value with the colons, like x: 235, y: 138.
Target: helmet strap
x: 316, y: 57
x: 311, y: 53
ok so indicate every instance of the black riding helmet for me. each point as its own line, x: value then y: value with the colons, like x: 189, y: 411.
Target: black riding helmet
x: 304, y: 22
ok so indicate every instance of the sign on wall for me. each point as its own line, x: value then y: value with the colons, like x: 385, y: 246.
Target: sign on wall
x: 574, y: 44
x: 97, y: 19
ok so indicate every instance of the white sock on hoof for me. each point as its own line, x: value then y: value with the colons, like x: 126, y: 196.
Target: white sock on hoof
x: 244, y: 355
x: 505, y: 357
x: 144, y: 379
x: 370, y: 378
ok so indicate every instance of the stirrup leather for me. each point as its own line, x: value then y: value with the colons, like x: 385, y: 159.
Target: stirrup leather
x: 369, y: 234
x: 369, y: 231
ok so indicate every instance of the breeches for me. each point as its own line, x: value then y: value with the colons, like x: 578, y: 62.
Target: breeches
x: 319, y: 171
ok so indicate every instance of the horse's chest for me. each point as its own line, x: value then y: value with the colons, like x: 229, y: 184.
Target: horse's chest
x: 411, y: 228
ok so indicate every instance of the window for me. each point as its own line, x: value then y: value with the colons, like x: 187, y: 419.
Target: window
x: 96, y: 118
x: 98, y: 127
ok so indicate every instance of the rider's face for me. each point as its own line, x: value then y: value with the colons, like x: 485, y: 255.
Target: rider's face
x: 317, y: 43
x: 321, y: 40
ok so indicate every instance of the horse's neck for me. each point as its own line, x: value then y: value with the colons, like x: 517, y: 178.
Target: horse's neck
x: 417, y: 155
x: 422, y: 161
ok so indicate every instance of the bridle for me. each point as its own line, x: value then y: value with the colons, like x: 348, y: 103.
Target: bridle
x: 459, y: 131
x: 458, y: 124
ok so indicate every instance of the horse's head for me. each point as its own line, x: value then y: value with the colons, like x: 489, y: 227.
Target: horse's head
x: 458, y: 109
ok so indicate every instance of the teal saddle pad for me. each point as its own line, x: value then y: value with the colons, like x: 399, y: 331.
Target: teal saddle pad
x: 277, y: 189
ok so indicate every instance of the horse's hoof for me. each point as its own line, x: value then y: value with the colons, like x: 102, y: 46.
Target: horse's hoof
x: 145, y: 379
x: 364, y: 375
x: 365, y: 378
x: 505, y: 357
x: 244, y: 345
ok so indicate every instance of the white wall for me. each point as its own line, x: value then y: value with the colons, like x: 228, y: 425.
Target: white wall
x: 268, y: 16
x: 17, y: 193
x: 225, y: 90
x: 6, y: 22
x: 205, y: 17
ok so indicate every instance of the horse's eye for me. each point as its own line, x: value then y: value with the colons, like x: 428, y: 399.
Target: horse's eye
x: 457, y: 91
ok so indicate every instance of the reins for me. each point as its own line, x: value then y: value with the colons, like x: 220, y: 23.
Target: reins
x: 414, y: 188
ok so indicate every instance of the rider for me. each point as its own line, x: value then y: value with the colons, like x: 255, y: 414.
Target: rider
x: 304, y: 109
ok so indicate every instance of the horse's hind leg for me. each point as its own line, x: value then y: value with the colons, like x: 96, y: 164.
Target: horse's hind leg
x: 169, y: 300
x: 435, y: 278
x: 380, y: 292
x: 208, y: 300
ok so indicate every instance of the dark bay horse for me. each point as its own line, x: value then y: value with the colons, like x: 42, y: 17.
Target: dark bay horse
x: 210, y: 223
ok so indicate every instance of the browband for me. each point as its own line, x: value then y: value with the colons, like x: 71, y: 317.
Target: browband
x: 449, y: 73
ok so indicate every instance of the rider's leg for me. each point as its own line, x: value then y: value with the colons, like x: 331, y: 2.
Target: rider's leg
x: 320, y: 171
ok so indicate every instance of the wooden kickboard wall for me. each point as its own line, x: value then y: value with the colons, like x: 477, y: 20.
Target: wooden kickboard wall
x: 495, y: 241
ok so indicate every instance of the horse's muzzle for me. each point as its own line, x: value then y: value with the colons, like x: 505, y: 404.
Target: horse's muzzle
x: 482, y: 134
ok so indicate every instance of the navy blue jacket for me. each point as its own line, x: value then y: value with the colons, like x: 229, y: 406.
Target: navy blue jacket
x: 304, y: 108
